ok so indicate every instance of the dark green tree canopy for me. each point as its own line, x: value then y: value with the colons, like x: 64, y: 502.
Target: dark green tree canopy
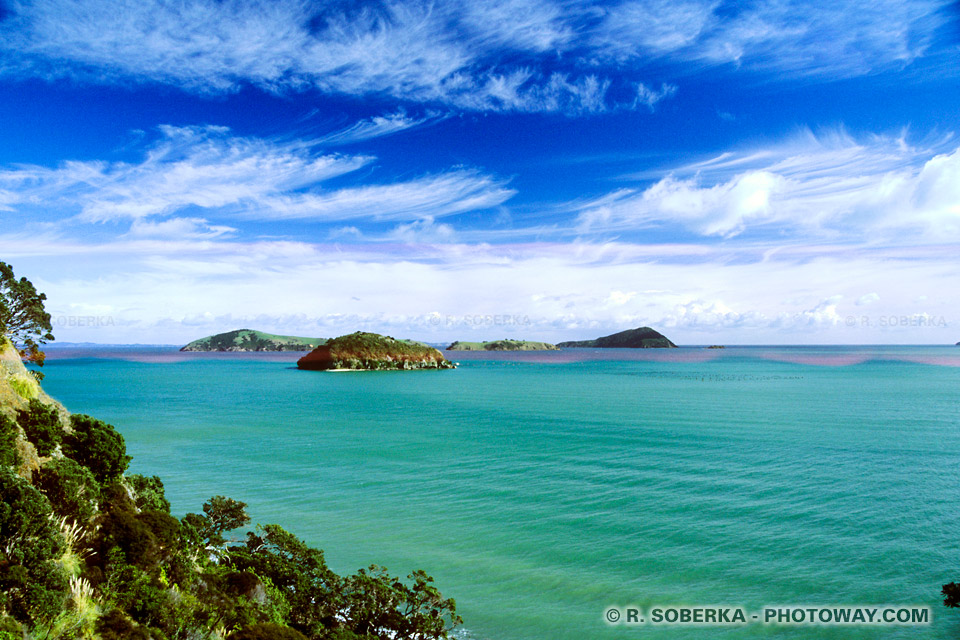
x: 97, y: 446
x: 23, y: 318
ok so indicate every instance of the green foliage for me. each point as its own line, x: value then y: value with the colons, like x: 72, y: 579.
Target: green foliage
x: 114, y: 625
x: 382, y: 606
x: 26, y: 388
x: 97, y: 446
x: 123, y: 530
x: 149, y: 491
x: 267, y: 631
x: 41, y: 424
x: 297, y: 571
x: 10, y: 629
x: 71, y: 489
x: 32, y: 585
x: 9, y: 456
x: 22, y: 316
x: 225, y: 514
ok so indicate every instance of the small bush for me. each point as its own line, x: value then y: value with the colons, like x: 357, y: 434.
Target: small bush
x: 267, y: 631
x: 97, y: 446
x: 41, y: 424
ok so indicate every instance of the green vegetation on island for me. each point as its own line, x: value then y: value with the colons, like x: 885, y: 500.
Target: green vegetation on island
x: 641, y: 338
x: 88, y: 551
x: 372, y: 351
x: 716, y: 346
x: 250, y: 340
x: 502, y: 345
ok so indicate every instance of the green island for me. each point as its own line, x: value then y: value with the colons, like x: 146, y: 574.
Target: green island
x: 89, y: 551
x: 641, y: 338
x: 502, y: 345
x: 250, y: 340
x: 716, y: 346
x: 363, y: 351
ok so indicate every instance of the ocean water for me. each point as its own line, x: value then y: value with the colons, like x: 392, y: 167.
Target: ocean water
x: 541, y: 489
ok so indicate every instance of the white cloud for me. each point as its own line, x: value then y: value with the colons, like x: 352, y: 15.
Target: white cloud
x: 178, y: 228
x: 234, y: 177
x: 832, y: 187
x: 650, y: 97
x: 176, y: 289
x: 839, y: 39
x: 419, y: 51
x: 868, y: 298
x: 375, y: 127
x: 512, y: 55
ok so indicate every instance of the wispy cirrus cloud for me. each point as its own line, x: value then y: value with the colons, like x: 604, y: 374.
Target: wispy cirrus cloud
x: 842, y: 39
x: 235, y: 178
x: 828, y: 187
x: 376, y: 127
x: 500, y: 55
x: 416, y: 51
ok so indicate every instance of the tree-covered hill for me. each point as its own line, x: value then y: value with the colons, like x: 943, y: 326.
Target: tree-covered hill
x: 250, y: 340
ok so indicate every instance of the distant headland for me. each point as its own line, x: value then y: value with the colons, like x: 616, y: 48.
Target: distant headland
x: 250, y: 340
x: 362, y: 351
x: 641, y: 338
x: 503, y: 345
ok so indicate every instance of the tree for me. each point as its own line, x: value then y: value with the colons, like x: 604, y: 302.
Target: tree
x: 22, y: 316
x: 32, y: 584
x: 41, y: 425
x: 97, y: 446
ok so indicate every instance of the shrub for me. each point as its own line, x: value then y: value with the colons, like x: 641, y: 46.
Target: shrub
x: 150, y: 494
x: 165, y: 528
x: 115, y: 626
x: 71, y: 489
x: 10, y: 629
x: 266, y: 631
x: 41, y: 424
x: 123, y: 530
x: 9, y: 456
x: 97, y: 446
x: 32, y: 585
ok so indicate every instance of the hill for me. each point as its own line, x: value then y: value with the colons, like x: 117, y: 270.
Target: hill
x: 250, y: 340
x: 372, y: 351
x: 502, y: 345
x: 641, y: 338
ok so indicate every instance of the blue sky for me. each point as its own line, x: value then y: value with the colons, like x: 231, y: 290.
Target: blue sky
x: 738, y: 172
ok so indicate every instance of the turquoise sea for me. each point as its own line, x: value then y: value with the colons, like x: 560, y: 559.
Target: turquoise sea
x: 541, y: 489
